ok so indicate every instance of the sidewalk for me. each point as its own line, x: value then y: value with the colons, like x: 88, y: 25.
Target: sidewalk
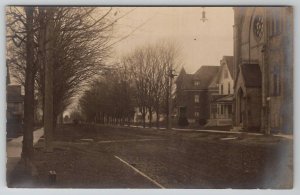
x: 14, y: 149
x: 290, y: 137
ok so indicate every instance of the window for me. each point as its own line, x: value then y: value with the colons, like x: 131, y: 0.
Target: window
x: 276, y: 81
x: 228, y: 88
x: 222, y: 89
x: 258, y: 26
x: 196, y: 98
x: 196, y: 114
x: 196, y: 83
x: 222, y: 109
x: 226, y: 74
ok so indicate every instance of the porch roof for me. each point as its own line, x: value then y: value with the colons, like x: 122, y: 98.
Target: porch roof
x: 228, y: 98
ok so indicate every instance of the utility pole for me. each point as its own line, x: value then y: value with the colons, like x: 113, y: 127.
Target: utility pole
x: 171, y: 76
x: 48, y: 108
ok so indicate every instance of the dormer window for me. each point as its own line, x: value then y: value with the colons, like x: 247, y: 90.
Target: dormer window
x: 196, y: 83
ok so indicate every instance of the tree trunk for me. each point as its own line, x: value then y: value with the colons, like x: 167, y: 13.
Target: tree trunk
x: 27, y: 148
x: 144, y: 117
x: 41, y: 56
x: 157, y: 117
x: 150, y: 117
x: 167, y: 107
x: 48, y: 119
x: 54, y: 125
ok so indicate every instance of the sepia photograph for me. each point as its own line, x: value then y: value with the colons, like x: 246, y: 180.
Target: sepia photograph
x: 149, y: 97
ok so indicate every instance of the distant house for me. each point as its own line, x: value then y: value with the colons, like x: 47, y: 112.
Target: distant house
x: 15, y: 107
x: 221, y: 103
x: 193, y: 93
x: 15, y: 101
x: 14, y: 111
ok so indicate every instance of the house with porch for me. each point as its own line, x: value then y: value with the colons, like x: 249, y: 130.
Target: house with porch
x: 221, y: 102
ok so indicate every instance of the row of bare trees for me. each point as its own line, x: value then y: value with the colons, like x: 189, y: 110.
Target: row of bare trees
x: 110, y: 99
x: 141, y: 80
x: 64, y: 46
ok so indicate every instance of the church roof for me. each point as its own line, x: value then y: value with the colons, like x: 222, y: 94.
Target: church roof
x: 251, y: 74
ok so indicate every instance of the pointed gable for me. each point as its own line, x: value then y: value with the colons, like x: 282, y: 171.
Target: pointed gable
x: 229, y: 61
x: 205, y: 76
x: 181, y: 75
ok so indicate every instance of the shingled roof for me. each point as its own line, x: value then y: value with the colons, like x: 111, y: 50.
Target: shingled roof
x: 204, y: 75
x: 251, y: 74
x: 229, y: 62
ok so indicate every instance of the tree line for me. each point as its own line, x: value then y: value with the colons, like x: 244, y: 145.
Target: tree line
x: 140, y: 80
x: 53, y: 52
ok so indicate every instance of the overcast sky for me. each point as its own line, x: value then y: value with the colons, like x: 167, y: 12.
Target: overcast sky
x: 201, y: 43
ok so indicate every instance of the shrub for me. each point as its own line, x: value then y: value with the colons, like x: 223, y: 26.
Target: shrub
x: 202, y: 122
x: 183, y: 122
x: 75, y: 121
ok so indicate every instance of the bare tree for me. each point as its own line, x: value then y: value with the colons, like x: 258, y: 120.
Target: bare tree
x: 150, y: 66
x: 81, y: 42
x: 170, y: 60
x: 137, y: 63
x: 47, y: 56
x: 68, y: 43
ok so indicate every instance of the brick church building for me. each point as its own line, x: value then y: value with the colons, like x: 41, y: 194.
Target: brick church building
x: 263, y: 69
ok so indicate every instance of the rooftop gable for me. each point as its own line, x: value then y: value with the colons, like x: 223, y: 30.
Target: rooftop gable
x: 230, y: 65
x: 204, y: 76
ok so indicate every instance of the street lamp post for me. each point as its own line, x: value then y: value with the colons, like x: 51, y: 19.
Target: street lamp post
x: 203, y: 19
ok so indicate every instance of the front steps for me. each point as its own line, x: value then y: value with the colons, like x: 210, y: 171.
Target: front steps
x: 237, y: 129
